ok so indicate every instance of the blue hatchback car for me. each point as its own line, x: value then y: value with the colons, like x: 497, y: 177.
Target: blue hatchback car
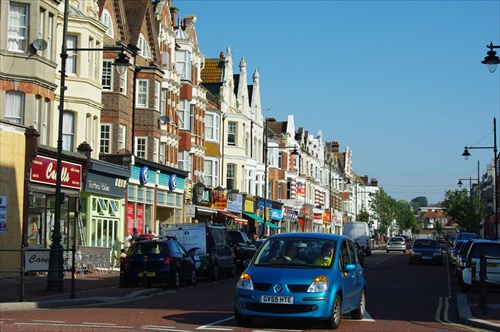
x: 302, y: 276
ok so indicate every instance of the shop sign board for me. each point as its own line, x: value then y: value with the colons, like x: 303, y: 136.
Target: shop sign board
x: 101, y: 184
x: 44, y: 170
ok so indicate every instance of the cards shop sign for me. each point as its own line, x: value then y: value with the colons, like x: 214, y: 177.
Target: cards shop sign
x: 44, y: 170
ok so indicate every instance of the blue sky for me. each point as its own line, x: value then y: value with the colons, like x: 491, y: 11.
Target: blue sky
x: 398, y: 82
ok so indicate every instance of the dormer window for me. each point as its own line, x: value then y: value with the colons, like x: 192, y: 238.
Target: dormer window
x: 108, y: 22
x: 144, y: 49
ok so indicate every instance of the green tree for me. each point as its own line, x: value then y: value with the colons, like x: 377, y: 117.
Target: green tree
x: 384, y: 208
x: 464, y: 208
x: 363, y: 216
x: 406, y: 219
x: 422, y: 200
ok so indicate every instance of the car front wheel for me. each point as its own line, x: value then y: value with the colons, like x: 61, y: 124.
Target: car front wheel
x: 360, y: 312
x: 334, y: 321
x: 242, y: 320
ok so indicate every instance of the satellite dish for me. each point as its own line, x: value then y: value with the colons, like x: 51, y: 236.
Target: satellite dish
x: 163, y: 120
x: 39, y: 44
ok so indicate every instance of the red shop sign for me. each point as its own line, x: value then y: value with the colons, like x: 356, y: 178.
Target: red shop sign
x: 44, y: 170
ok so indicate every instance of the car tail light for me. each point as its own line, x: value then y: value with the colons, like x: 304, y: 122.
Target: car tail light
x: 126, y: 262
x: 468, y: 263
x: 168, y: 260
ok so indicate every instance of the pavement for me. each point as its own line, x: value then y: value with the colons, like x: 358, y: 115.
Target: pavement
x: 94, y: 288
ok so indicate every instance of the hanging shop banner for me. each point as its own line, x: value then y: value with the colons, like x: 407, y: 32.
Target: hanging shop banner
x: 44, y: 170
x: 140, y: 217
x: 190, y: 211
x: 249, y: 206
x: 276, y: 214
x: 220, y: 204
x: 236, y: 205
x: 290, y: 215
x: 3, y: 214
x: 130, y: 218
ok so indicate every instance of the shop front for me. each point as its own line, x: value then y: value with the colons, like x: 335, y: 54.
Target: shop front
x: 102, y: 219
x: 155, y: 196
x: 41, y: 201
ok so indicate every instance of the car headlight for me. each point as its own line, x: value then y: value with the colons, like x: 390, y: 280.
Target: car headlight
x: 416, y: 253
x: 438, y: 254
x: 319, y: 285
x: 245, y: 282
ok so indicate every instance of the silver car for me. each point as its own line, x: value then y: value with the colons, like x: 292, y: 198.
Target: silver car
x: 396, y: 243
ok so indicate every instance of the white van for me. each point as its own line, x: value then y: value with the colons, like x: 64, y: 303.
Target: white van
x: 209, y: 245
x: 359, y: 232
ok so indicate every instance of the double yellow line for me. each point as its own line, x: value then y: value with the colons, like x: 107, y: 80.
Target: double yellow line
x: 445, y: 321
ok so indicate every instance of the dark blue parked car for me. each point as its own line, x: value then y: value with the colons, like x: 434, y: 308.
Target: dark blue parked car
x: 164, y: 261
x: 426, y: 251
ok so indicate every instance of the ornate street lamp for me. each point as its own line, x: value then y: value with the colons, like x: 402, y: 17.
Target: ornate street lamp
x: 491, y: 60
x: 466, y: 154
x: 55, y: 277
x: 219, y: 192
x: 198, y: 188
x: 231, y: 195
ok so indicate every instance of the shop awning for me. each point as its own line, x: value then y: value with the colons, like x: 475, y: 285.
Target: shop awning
x: 271, y: 225
x: 205, y: 211
x: 254, y: 216
x: 237, y: 220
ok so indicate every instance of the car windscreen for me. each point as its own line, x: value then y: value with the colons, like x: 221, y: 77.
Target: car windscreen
x: 295, y: 251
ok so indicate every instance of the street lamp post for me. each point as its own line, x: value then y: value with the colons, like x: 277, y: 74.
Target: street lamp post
x: 466, y: 154
x: 55, y: 277
x: 470, y: 179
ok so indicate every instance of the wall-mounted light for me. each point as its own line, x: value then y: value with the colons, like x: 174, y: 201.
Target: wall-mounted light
x: 218, y: 192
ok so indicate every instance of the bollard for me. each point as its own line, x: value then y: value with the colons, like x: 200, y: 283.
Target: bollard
x: 473, y: 277
x: 145, y: 272
x: 482, y: 283
x: 122, y: 273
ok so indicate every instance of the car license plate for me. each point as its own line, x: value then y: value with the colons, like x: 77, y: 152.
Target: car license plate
x: 149, y: 274
x: 426, y: 257
x: 276, y: 299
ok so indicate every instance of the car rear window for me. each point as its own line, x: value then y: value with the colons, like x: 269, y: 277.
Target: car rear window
x: 149, y: 248
x: 396, y: 239
x: 426, y: 244
x: 490, y: 249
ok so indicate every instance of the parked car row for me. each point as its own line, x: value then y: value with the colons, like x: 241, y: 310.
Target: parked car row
x: 466, y: 260
x: 183, y: 252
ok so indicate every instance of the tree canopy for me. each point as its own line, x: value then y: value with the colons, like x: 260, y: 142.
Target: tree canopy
x: 464, y: 208
x: 421, y: 200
